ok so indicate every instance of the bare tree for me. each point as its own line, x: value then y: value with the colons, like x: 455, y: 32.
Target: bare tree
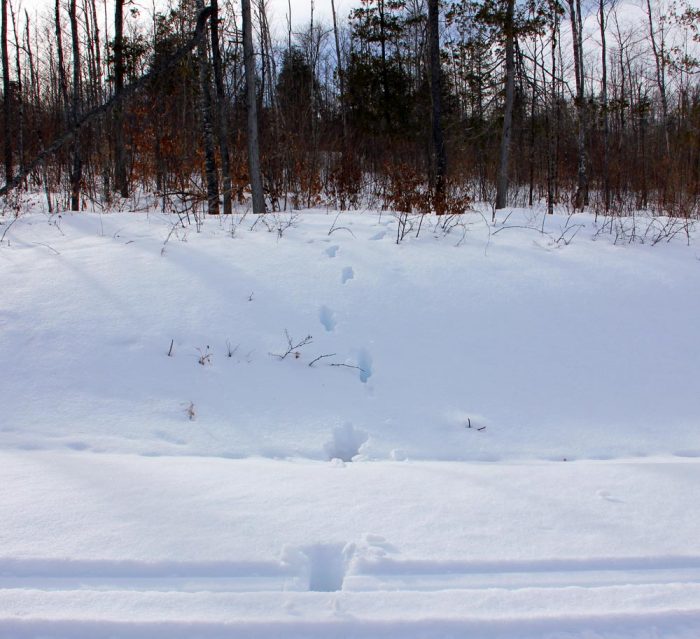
x: 504, y: 155
x: 205, y: 113
x: 251, y: 105
x: 221, y: 107
x: 658, y: 47
x: 6, y: 95
x: 120, y: 179
x: 339, y: 70
x: 581, y: 195
x: 604, y: 105
x: 439, y: 154
x: 76, y: 176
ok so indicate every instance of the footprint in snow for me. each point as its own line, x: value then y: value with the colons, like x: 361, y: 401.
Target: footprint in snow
x: 347, y: 274
x: 327, y: 318
x: 604, y: 494
x: 364, y: 361
x: 332, y: 250
x: 378, y: 236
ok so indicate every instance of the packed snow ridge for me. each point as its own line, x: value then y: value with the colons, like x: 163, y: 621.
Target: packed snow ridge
x: 488, y: 430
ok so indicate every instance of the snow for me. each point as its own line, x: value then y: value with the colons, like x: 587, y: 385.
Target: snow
x: 489, y: 432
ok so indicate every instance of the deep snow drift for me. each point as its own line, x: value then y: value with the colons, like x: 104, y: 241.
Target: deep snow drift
x: 180, y: 410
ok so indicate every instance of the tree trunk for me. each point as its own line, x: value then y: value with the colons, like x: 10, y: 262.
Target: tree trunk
x: 439, y: 156
x: 222, y: 107
x: 205, y: 113
x: 19, y: 98
x: 660, y: 63
x: 552, y: 107
x: 76, y: 174
x: 341, y: 78
x: 120, y: 178
x: 251, y: 104
x: 502, y: 178
x: 6, y: 96
x: 581, y: 195
x: 604, y: 106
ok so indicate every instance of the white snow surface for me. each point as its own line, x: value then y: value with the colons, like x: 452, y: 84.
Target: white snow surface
x: 499, y: 436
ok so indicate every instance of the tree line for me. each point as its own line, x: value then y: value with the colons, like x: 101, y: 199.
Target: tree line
x: 414, y: 105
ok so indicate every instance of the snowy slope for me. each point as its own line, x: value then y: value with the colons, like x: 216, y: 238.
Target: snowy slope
x: 583, y: 351
x: 522, y: 415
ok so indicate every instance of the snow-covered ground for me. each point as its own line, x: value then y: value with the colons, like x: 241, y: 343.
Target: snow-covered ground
x: 482, y: 433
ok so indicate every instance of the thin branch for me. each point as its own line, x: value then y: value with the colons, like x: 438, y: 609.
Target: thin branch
x: 292, y: 348
x: 320, y: 357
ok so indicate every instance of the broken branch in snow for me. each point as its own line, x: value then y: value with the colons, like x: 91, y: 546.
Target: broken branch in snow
x: 291, y: 347
x: 362, y: 370
x: 469, y: 425
x: 313, y: 361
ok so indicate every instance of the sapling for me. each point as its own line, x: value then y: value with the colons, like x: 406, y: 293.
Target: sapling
x: 231, y: 350
x: 204, y: 356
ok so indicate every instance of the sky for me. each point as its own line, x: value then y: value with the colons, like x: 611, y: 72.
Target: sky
x: 277, y: 9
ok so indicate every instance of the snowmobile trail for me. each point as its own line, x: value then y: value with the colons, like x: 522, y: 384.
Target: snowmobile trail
x: 282, y: 548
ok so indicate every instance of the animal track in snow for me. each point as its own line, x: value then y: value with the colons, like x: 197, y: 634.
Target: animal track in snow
x: 347, y: 274
x: 378, y: 236
x: 327, y: 565
x: 327, y: 317
x: 364, y: 361
x: 331, y: 251
x: 346, y: 442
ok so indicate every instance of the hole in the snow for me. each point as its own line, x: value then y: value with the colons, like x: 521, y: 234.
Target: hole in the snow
x: 346, y: 443
x: 327, y: 564
x: 327, y: 317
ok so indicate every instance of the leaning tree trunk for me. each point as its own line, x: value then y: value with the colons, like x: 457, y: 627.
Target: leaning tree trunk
x: 439, y: 156
x: 251, y: 104
x: 106, y: 108
x: 205, y: 112
x: 502, y: 178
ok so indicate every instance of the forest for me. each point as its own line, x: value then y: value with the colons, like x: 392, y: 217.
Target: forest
x: 410, y: 105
